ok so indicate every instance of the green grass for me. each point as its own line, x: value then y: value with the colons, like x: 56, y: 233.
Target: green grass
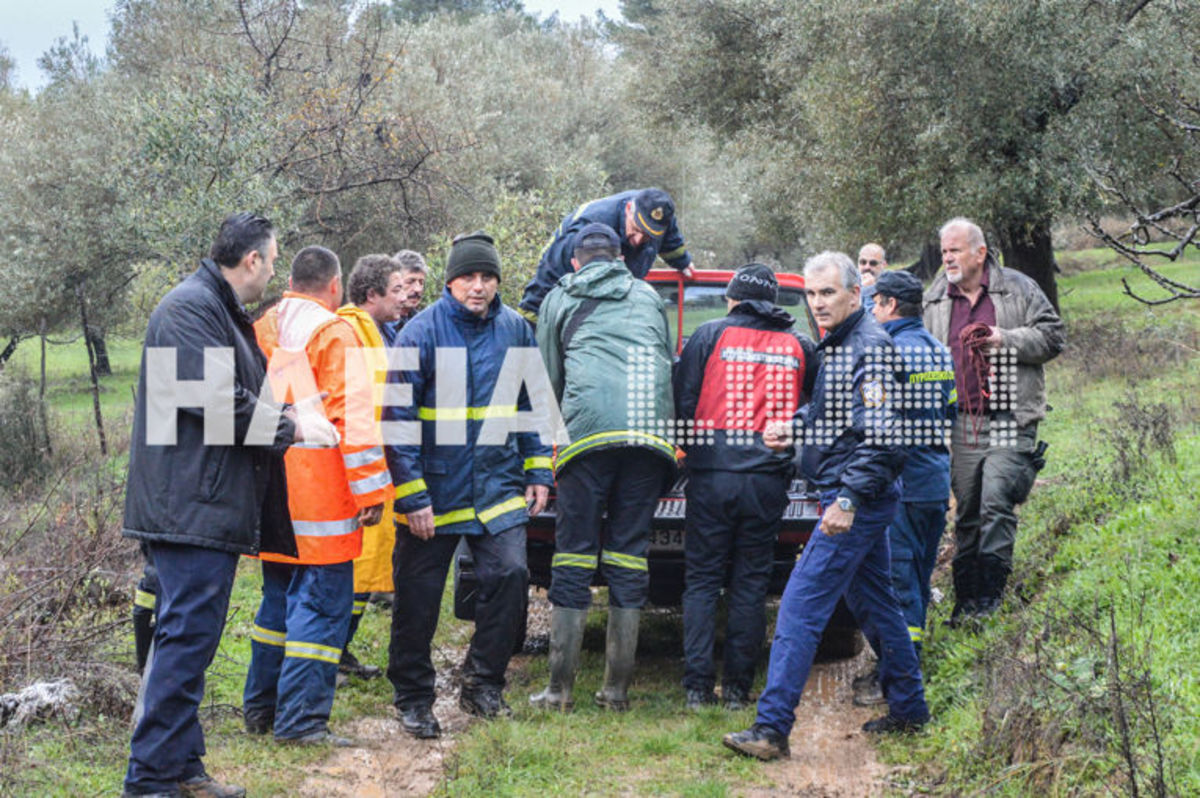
x: 68, y: 386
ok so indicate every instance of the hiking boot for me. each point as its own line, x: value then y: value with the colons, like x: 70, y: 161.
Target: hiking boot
x: 760, y: 742
x: 871, y: 674
x: 323, y: 737
x: 735, y: 698
x: 169, y: 794
x: 420, y: 722
x: 205, y: 786
x: 350, y: 666
x: 259, y: 722
x: 868, y: 692
x: 484, y: 702
x: 890, y: 724
x: 619, y: 651
x: 566, y: 639
x: 697, y: 700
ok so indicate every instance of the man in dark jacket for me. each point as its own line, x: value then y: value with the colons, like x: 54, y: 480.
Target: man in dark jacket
x: 929, y: 400
x: 734, y: 376
x: 199, y: 505
x: 851, y: 456
x: 606, y: 343
x: 993, y: 453
x: 644, y: 220
x: 454, y: 485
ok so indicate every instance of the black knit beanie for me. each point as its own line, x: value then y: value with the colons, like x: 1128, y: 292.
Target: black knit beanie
x: 753, y: 281
x: 474, y: 252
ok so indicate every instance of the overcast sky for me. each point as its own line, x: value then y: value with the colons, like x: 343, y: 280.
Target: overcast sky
x: 29, y: 27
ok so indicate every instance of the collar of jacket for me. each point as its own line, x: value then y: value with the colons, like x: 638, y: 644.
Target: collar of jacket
x: 768, y: 311
x: 211, y: 273
x: 839, y: 333
x: 460, y: 311
x: 602, y: 279
x: 900, y: 325
x: 995, y: 275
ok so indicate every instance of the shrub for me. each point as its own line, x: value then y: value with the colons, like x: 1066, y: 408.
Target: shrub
x: 23, y: 451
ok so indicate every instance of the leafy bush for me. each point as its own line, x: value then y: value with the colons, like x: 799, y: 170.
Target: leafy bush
x: 23, y: 451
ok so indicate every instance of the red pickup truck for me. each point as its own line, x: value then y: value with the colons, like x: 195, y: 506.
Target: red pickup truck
x: 690, y: 303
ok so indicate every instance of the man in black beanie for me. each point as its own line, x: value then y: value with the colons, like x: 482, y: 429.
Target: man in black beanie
x: 451, y: 490
x: 737, y: 487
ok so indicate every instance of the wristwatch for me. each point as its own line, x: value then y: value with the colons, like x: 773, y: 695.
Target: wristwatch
x: 845, y: 504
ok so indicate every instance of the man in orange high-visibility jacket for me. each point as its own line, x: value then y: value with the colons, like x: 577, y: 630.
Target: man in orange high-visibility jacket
x: 333, y: 492
x: 380, y: 289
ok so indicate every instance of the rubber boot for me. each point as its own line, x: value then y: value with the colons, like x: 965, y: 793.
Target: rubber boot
x: 619, y: 652
x: 966, y: 591
x: 566, y: 639
x: 993, y: 575
x: 143, y: 633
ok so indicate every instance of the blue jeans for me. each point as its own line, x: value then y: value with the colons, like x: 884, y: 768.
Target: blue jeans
x: 296, y: 644
x: 855, y: 564
x: 193, y: 597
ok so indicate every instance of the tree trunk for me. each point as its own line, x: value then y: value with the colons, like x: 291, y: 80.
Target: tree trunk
x: 95, y: 342
x: 929, y: 262
x: 8, y: 350
x: 1028, y: 249
x: 95, y: 378
x: 42, y: 388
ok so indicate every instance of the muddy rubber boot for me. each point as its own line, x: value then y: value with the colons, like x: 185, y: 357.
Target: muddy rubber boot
x: 619, y: 652
x: 566, y: 639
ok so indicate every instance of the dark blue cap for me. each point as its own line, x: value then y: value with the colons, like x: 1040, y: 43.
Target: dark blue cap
x: 595, y: 230
x: 653, y: 210
x: 900, y: 285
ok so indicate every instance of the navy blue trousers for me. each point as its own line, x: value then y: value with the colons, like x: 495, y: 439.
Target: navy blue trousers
x: 855, y: 564
x: 296, y: 643
x: 193, y: 597
x: 733, y: 520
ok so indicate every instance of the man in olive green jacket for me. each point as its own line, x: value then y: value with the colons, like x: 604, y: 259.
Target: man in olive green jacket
x: 606, y: 341
x: 994, y: 452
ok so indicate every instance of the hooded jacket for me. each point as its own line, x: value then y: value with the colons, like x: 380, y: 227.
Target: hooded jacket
x: 473, y: 488
x: 606, y: 342
x: 771, y: 367
x: 555, y: 261
x: 851, y: 430
x: 1029, y: 327
x: 230, y: 498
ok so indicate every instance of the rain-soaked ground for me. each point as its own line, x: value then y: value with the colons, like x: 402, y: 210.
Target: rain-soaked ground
x: 831, y: 756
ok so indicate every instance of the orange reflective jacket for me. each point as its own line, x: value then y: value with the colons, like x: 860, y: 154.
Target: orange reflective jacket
x: 309, y: 350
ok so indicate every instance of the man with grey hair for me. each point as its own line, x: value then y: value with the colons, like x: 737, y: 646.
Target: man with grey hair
x: 413, y: 273
x: 995, y: 321
x: 852, y: 456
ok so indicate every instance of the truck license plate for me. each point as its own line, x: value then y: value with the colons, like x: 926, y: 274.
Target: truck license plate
x: 666, y: 539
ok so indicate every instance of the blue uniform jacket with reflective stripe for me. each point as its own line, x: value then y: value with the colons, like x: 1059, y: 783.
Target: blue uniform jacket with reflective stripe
x: 929, y: 409
x: 473, y: 488
x: 850, y: 427
x: 556, y: 258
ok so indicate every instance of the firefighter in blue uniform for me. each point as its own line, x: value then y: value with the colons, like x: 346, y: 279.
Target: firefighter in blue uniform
x: 851, y: 457
x: 929, y: 400
x: 645, y: 222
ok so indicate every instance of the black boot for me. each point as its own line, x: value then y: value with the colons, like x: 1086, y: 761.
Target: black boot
x: 993, y: 576
x: 966, y: 590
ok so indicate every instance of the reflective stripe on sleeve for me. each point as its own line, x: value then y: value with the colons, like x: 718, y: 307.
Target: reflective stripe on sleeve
x: 365, y: 457
x: 497, y: 510
x: 370, y: 484
x: 673, y: 254
x: 536, y: 462
x: 326, y: 529
x: 268, y: 637
x: 624, y: 560
x: 409, y: 488
x: 464, y: 413
x: 303, y: 650
x: 454, y: 517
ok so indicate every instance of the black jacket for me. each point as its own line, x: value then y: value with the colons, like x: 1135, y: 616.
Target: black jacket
x: 771, y: 368
x: 853, y: 434
x: 227, y: 497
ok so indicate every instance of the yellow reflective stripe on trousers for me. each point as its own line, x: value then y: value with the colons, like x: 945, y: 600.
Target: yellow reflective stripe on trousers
x: 326, y: 529
x: 630, y: 437
x: 463, y: 413
x: 536, y: 462
x: 916, y: 634
x: 624, y: 560
x: 365, y: 457
x: 409, y: 488
x: 361, y: 487
x: 143, y: 599
x: 497, y: 510
x: 562, y: 559
x: 303, y: 650
x: 359, y: 608
x: 454, y: 516
x: 268, y: 637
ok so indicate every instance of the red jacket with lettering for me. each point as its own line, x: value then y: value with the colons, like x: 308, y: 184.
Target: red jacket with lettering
x: 734, y: 375
x: 308, y: 348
